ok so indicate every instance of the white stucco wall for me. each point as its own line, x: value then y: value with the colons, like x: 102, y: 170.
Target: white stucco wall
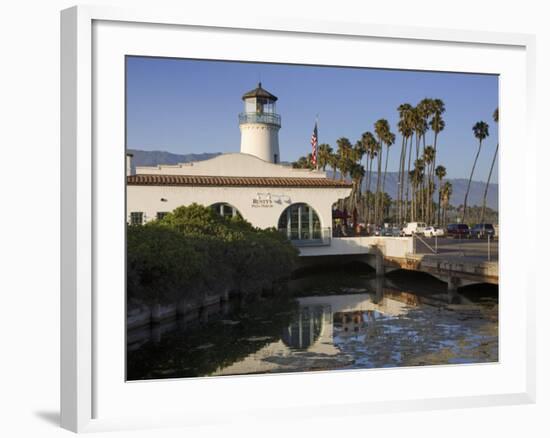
x: 147, y: 199
x: 263, y: 214
x: 390, y: 246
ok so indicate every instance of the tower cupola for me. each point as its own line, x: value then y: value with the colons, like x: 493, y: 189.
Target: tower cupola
x: 259, y: 124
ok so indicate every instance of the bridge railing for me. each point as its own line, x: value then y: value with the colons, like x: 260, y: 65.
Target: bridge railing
x: 320, y: 237
x: 416, y: 237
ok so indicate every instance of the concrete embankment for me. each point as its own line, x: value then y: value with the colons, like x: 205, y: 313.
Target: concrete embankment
x: 140, y: 314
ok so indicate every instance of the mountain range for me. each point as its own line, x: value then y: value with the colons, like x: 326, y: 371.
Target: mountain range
x: 153, y: 158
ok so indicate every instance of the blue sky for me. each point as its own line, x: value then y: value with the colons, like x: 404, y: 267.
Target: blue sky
x: 191, y: 106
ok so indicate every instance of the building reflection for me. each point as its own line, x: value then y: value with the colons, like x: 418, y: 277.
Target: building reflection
x: 306, y: 327
x: 310, y: 336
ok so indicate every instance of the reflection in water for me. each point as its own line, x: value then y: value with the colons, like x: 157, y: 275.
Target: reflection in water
x: 336, y: 323
x: 306, y: 326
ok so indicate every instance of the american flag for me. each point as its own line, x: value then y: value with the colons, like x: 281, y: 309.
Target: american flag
x: 314, y: 146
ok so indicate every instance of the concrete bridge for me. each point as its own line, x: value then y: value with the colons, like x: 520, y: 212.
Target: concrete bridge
x: 386, y: 254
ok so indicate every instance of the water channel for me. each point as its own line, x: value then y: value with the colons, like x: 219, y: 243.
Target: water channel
x: 345, y: 319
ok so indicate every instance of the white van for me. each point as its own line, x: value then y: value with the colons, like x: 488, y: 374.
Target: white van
x: 413, y: 228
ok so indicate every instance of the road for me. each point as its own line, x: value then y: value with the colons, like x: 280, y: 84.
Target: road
x: 471, y: 248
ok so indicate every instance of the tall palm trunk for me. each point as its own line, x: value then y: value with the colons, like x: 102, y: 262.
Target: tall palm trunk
x: 413, y: 201
x: 385, y: 172
x: 433, y: 170
x: 369, y: 206
x: 378, y: 174
x: 407, y: 179
x: 428, y: 191
x: 377, y: 197
x: 367, y: 185
x: 439, y: 209
x: 399, y: 182
x: 482, y: 217
x: 425, y: 189
x: 429, y: 196
x: 402, y: 180
x: 465, y: 204
x: 439, y: 202
x: 422, y: 196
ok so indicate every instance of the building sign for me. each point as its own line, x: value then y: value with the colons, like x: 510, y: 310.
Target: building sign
x: 262, y: 203
x: 268, y: 200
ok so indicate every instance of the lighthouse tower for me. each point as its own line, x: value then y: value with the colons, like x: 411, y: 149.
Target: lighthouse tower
x: 260, y: 124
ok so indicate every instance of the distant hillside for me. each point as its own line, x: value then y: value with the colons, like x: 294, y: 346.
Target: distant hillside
x: 152, y: 158
x: 459, y: 189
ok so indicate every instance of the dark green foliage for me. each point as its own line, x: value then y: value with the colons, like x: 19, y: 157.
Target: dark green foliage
x: 160, y: 262
x: 193, y: 251
x: 179, y: 353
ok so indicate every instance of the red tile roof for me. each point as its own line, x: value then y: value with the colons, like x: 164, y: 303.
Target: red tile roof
x: 234, y: 181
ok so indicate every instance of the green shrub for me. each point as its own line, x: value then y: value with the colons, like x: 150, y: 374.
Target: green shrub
x: 193, y: 251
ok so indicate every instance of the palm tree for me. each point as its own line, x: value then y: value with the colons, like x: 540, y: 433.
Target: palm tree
x: 357, y: 156
x: 429, y: 156
x: 412, y: 179
x: 446, y: 193
x: 437, y: 124
x: 416, y: 127
x: 371, y: 150
x: 441, y: 173
x: 425, y: 110
x: 344, y: 165
x: 372, y: 147
x: 382, y: 130
x: 301, y: 163
x: 310, y: 161
x: 404, y: 127
x: 333, y: 163
x: 389, y: 140
x: 325, y: 150
x: 344, y: 156
x: 421, y: 113
x: 482, y: 216
x: 417, y: 178
x: 481, y: 132
x: 357, y: 172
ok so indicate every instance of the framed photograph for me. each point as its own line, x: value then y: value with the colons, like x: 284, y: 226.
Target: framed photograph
x: 268, y: 218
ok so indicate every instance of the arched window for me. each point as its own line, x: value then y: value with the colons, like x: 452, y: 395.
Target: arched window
x: 225, y: 210
x: 300, y: 222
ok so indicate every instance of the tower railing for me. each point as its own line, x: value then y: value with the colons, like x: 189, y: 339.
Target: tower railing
x: 269, y: 118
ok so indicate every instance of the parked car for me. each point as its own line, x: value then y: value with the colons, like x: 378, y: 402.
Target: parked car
x: 390, y: 232
x: 458, y: 230
x: 413, y: 228
x: 433, y: 231
x: 481, y: 231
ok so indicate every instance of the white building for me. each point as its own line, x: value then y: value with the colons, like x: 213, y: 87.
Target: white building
x: 250, y: 183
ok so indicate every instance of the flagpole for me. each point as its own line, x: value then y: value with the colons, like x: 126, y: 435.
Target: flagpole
x: 317, y: 149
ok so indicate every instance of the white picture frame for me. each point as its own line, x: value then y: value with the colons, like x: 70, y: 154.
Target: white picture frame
x: 86, y: 164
